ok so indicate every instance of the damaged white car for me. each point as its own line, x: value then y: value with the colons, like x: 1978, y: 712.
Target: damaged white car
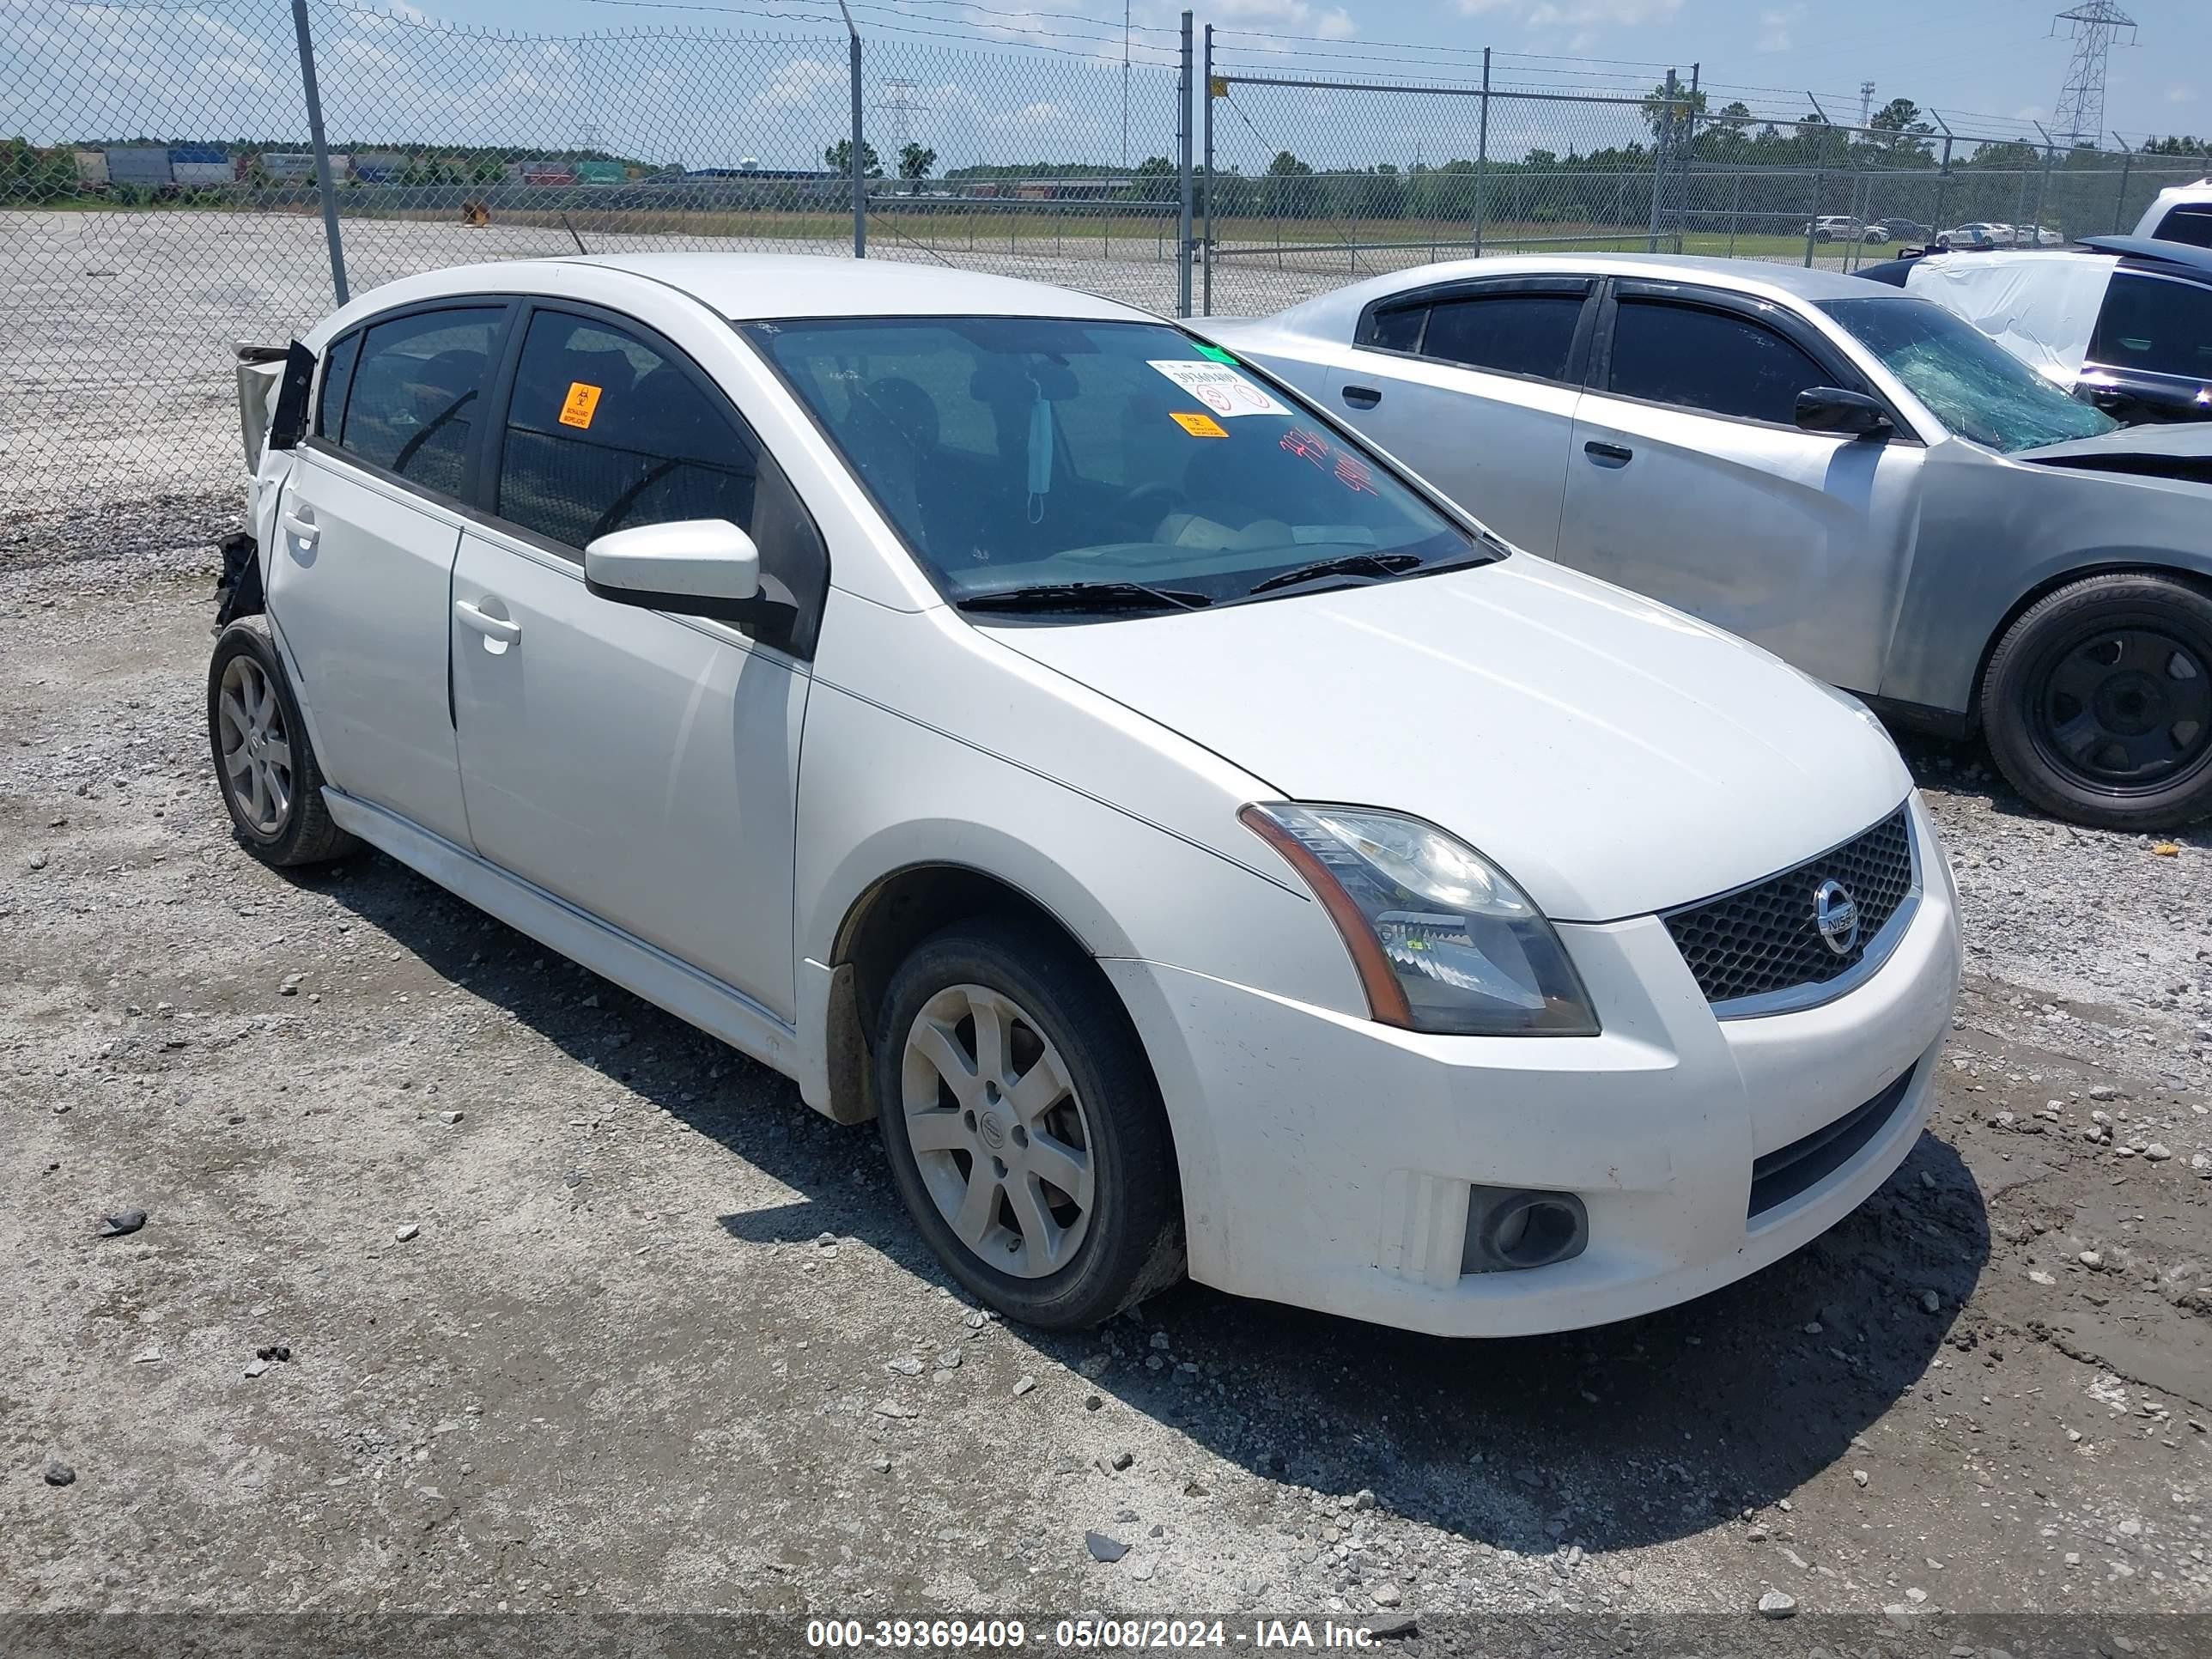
x: 1017, y: 721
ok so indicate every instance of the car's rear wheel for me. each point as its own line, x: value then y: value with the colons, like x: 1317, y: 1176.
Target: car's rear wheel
x: 2098, y: 702
x: 263, y: 759
x: 1023, y: 1127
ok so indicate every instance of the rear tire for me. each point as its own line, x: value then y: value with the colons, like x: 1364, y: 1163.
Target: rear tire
x: 2098, y: 702
x: 1023, y: 1127
x: 271, y: 784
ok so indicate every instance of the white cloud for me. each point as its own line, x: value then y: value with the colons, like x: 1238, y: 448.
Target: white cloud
x: 1774, y: 28
x: 2179, y: 94
x: 1586, y: 21
x: 1334, y: 23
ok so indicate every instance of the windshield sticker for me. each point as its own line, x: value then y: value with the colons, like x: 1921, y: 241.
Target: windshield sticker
x: 1199, y: 426
x: 1219, y: 387
x: 1214, y: 352
x: 583, y: 402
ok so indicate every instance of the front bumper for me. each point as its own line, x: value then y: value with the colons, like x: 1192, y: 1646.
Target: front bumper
x: 1327, y: 1160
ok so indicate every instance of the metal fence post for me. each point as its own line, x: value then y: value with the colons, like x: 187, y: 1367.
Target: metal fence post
x: 859, y: 155
x: 1482, y: 156
x: 324, y: 187
x: 1659, y: 160
x: 2120, y: 201
x: 1208, y: 302
x: 1183, y: 220
x: 1813, y: 218
x: 1688, y: 151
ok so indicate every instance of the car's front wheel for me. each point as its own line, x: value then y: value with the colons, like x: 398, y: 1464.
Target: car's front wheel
x: 271, y: 781
x: 1023, y: 1127
x: 2098, y: 702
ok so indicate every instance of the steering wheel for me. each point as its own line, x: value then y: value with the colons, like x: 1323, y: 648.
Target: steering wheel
x: 1152, y: 503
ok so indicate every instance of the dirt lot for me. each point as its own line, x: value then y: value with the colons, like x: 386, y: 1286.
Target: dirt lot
x: 584, y: 1313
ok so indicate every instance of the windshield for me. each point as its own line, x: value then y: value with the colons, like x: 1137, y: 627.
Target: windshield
x: 1021, y: 455
x: 1969, y: 382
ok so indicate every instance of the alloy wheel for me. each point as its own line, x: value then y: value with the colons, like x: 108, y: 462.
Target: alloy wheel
x: 2126, y: 707
x: 256, y: 748
x: 998, y: 1131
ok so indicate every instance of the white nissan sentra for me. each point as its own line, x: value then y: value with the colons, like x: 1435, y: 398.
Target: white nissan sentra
x: 1196, y: 843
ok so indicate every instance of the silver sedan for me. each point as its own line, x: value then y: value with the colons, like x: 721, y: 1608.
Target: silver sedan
x: 1858, y: 481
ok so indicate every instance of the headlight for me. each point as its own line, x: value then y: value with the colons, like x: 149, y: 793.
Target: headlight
x: 1444, y: 940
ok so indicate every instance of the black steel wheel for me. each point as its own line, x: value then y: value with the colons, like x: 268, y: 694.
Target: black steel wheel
x: 2099, y: 702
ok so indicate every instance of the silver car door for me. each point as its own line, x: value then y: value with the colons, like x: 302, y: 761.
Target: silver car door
x: 1690, y: 482
x: 1473, y: 387
x: 367, y: 530
x: 642, y: 766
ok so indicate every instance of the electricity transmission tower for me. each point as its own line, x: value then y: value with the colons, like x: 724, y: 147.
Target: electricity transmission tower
x: 899, y: 107
x: 2097, y: 24
x: 1866, y: 102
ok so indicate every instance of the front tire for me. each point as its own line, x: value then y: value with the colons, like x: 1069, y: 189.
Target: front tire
x: 2098, y: 702
x: 264, y: 762
x: 1023, y: 1127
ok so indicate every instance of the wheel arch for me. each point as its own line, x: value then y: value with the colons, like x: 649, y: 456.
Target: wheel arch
x: 882, y: 925
x: 2117, y: 564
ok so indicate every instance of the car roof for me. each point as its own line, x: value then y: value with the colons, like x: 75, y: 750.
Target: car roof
x: 2197, y: 261
x: 759, y: 287
x: 1754, y: 276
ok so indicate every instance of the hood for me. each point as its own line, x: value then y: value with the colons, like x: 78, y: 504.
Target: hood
x: 1613, y: 756
x: 2182, y: 450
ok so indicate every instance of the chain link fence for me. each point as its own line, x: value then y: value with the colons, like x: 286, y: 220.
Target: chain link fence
x: 1308, y: 181
x: 162, y: 195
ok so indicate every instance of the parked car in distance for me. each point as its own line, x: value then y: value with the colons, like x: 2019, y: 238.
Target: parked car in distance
x: 2121, y: 322
x: 1209, y: 846
x: 1902, y: 230
x: 1976, y: 236
x: 1856, y: 479
x: 1841, y: 228
x: 2181, y: 213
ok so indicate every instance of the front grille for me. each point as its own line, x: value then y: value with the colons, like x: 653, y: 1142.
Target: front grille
x: 1764, y: 938
x: 1789, y: 1171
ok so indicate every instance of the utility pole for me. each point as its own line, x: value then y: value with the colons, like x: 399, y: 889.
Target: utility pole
x: 1866, y: 102
x: 2097, y: 24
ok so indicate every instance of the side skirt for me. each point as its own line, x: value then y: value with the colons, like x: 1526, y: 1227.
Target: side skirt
x: 715, y: 1008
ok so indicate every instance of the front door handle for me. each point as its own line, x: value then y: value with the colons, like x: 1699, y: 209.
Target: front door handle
x: 491, y: 627
x: 1608, y: 454
x: 1362, y: 396
x: 300, y: 524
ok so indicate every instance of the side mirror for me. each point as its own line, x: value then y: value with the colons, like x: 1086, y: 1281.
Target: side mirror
x: 1831, y: 409
x: 691, y: 568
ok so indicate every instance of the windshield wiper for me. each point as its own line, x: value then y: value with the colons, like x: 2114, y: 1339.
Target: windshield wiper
x: 1345, y: 564
x: 1086, y: 596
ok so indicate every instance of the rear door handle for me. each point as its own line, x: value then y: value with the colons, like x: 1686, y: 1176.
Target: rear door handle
x: 300, y: 524
x: 1362, y: 396
x: 1608, y: 454
x: 491, y: 627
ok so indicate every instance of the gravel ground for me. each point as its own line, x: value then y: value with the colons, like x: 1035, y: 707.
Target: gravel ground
x: 467, y: 1282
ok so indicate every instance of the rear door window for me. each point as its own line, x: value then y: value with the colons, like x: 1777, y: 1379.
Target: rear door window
x: 1710, y: 361
x: 2157, y: 324
x: 415, y: 393
x: 1505, y: 333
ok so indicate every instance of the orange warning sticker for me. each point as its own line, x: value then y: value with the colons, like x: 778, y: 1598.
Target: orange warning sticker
x: 1199, y: 426
x: 583, y: 402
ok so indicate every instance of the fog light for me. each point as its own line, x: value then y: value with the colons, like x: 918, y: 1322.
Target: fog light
x: 1508, y: 1230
